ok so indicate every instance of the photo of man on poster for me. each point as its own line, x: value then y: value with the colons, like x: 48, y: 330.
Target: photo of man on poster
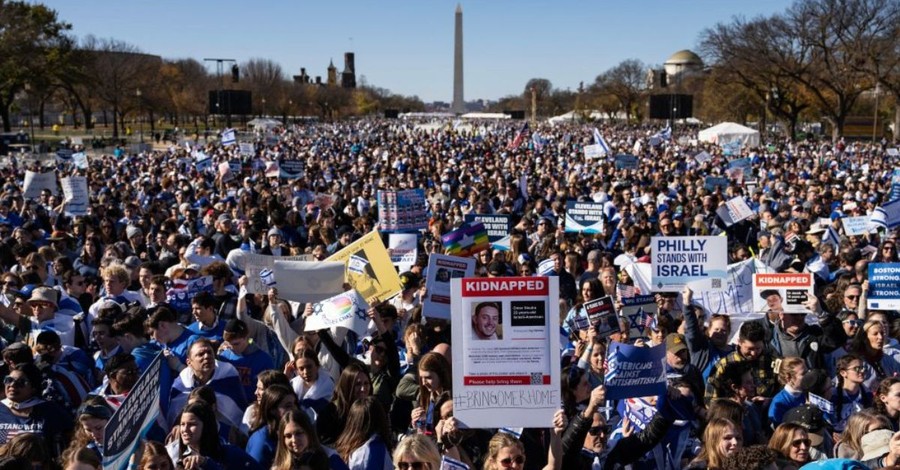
x: 486, y: 319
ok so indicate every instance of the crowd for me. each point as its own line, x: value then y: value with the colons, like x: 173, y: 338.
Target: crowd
x: 85, y: 309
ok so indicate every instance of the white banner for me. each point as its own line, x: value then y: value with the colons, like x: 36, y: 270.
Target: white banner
x: 37, y: 182
x: 856, y: 225
x: 739, y: 209
x: 676, y: 261
x: 255, y: 265
x: 308, y: 281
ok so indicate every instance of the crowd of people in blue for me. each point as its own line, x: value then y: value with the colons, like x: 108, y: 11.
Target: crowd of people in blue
x: 84, y: 309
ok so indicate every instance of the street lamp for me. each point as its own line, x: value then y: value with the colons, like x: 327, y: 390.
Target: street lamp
x: 140, y: 113
x: 30, y: 116
x: 263, y: 107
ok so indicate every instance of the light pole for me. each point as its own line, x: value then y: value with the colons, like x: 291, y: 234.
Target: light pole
x: 263, y: 107
x: 875, y: 123
x: 140, y: 113
x: 30, y: 116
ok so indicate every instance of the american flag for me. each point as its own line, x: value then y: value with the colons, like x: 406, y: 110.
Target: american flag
x: 520, y: 136
x: 624, y: 291
x: 649, y: 321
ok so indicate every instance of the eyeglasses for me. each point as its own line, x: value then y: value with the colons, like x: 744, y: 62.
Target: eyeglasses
x: 411, y: 465
x: 509, y: 461
x: 857, y: 369
x: 15, y: 382
x: 851, y: 297
x: 801, y: 443
x: 598, y: 429
x: 853, y: 322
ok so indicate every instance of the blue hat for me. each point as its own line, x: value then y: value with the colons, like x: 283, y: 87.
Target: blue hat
x: 836, y: 215
x: 203, y: 202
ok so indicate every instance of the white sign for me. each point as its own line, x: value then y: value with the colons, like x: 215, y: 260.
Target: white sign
x: 703, y: 157
x: 676, y: 261
x: 856, y: 225
x: 403, y: 250
x: 505, y: 351
x: 75, y: 190
x: 255, y: 264
x: 80, y: 160
x: 247, y: 149
x: 346, y: 310
x: 308, y: 281
x: 594, y: 151
x: 782, y: 292
x: 441, y: 270
x: 739, y: 209
x: 37, y: 182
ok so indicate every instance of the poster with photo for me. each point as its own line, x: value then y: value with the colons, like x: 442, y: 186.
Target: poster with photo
x: 782, y: 292
x: 441, y: 270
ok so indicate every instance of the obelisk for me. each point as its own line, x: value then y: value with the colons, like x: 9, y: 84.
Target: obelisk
x: 459, y: 104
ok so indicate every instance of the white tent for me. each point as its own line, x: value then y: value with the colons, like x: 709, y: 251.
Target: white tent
x: 263, y: 124
x: 729, y: 132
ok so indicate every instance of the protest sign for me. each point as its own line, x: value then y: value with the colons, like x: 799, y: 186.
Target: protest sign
x: 506, y: 345
x: 225, y: 173
x: 602, y: 315
x: 403, y: 250
x: 272, y: 170
x: 347, y: 310
x: 307, y: 281
x: 137, y: 414
x: 893, y: 152
x: 594, y: 151
x: 402, y: 211
x: 584, y: 217
x: 80, y: 160
x: 498, y: 226
x: 639, y: 313
x: 731, y: 148
x: 467, y: 240
x: 782, y: 292
x: 679, y: 260
x: 75, y: 190
x: 638, y: 410
x: 626, y: 162
x: 235, y: 166
x: 228, y: 137
x: 180, y: 294
x: 247, y: 149
x: 291, y: 169
x: 37, y: 182
x: 323, y: 201
x: 739, y: 209
x: 703, y: 157
x: 856, y: 225
x: 441, y: 269
x: 64, y: 155
x: 368, y: 268
x: 713, y: 182
x: 884, y: 286
x: 635, y: 371
x: 255, y: 264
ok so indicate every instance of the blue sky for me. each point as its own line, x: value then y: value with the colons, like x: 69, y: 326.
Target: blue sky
x: 406, y: 46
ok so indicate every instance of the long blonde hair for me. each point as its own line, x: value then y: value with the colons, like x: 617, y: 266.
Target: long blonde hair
x: 421, y: 448
x: 712, y: 435
x: 498, y: 442
x: 857, y: 426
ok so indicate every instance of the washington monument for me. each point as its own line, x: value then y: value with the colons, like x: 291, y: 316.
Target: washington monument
x: 459, y: 104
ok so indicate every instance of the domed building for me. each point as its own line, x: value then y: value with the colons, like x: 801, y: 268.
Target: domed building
x: 683, y: 62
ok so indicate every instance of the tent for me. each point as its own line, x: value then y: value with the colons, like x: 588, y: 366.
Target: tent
x: 727, y: 132
x: 263, y: 124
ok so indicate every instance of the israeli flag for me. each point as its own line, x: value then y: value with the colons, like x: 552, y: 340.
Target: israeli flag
x: 267, y: 276
x: 821, y: 403
x: 357, y: 264
x: 831, y: 238
x: 664, y: 135
x: 599, y: 140
x: 228, y: 137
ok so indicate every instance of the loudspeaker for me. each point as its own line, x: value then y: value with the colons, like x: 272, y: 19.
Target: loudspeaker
x: 230, y: 102
x: 671, y: 106
x: 391, y: 114
x: 515, y: 114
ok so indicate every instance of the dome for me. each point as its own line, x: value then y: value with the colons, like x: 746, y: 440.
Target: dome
x: 684, y: 57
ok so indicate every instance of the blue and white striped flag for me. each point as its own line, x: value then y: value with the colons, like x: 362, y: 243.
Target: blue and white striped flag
x: 612, y: 366
x: 599, y: 140
x: 831, y: 237
x: 268, y: 277
x: 228, y: 137
x: 665, y: 134
x: 825, y: 405
x: 357, y: 264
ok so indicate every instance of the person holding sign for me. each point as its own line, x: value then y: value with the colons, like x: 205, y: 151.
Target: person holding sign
x: 486, y: 321
x: 507, y: 451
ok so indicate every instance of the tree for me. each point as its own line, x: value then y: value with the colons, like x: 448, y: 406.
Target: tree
x: 542, y: 89
x: 265, y: 79
x: 32, y: 44
x: 627, y: 82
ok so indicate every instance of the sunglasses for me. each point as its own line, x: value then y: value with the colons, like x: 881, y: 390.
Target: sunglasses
x: 509, y: 461
x: 596, y: 430
x: 857, y: 369
x: 801, y: 442
x: 853, y: 322
x: 411, y: 465
x: 851, y: 297
x: 15, y: 382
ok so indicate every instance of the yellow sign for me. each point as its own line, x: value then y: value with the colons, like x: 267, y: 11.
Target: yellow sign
x: 368, y: 268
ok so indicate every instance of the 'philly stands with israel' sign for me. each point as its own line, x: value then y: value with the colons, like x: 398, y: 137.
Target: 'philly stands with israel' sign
x: 884, y: 286
x: 677, y: 261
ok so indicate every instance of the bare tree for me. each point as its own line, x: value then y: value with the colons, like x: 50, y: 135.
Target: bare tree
x: 265, y: 79
x: 627, y: 82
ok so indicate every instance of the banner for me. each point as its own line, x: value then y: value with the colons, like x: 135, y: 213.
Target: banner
x: 467, y: 240
x: 703, y: 157
x: 368, y: 268
x: 639, y: 313
x: 594, y: 151
x: 677, y: 261
x: 441, y: 270
x: 255, y: 265
x: 228, y: 137
x: 635, y: 371
x: 75, y: 190
x: 584, y: 217
x: 130, y: 423
x: 180, y: 294
x: 247, y: 149
x: 347, y: 310
x: 855, y: 225
x: 626, y: 162
x: 403, y: 250
x: 602, y: 316
x: 711, y: 182
x: 402, y: 211
x: 291, y: 169
x: 884, y: 286
x: 782, y: 292
x: 506, y: 351
x: 498, y: 226
x: 307, y: 281
x: 37, y: 182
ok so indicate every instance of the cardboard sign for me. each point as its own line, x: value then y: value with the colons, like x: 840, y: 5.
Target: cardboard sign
x: 506, y: 348
x: 77, y: 197
x: 37, y: 182
x: 307, y: 281
x: 368, y: 268
x: 255, y: 265
x: 855, y: 225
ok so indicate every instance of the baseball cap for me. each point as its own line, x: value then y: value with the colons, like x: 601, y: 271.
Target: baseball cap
x: 675, y: 343
x: 811, y: 418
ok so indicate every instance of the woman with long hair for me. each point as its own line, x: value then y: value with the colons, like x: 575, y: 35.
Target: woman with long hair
x: 887, y: 253
x: 434, y: 382
x: 366, y: 440
x: 792, y: 442
x: 869, y: 345
x: 23, y: 409
x: 299, y: 446
x: 198, y: 444
x: 417, y: 452
x: 276, y: 401
x: 153, y: 456
x: 850, y: 396
x: 507, y: 451
x: 849, y: 442
x: 887, y: 401
x: 88, y: 262
x: 721, y: 439
x: 313, y: 388
x: 354, y: 384
x: 92, y: 416
x: 264, y: 380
